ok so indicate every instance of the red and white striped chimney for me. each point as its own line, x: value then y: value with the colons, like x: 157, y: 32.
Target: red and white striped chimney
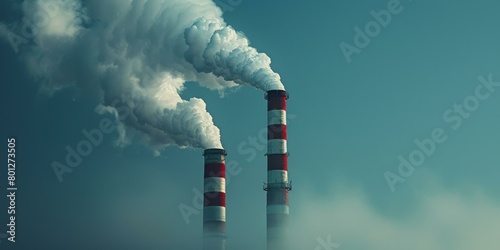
x: 214, y: 207
x: 277, y: 185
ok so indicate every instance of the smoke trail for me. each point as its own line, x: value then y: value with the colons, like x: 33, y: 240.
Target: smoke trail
x: 142, y: 53
x: 219, y: 49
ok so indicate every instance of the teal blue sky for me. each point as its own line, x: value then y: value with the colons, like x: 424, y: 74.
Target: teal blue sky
x: 348, y: 123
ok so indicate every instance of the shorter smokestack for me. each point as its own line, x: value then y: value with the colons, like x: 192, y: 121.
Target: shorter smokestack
x: 214, y: 206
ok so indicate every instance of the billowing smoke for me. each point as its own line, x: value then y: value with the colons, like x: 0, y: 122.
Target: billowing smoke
x: 219, y: 49
x: 140, y: 53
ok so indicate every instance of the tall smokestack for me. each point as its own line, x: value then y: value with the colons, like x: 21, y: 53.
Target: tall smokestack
x: 277, y: 185
x: 214, y: 207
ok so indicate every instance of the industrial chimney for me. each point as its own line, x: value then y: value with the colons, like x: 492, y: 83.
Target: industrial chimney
x: 277, y: 185
x: 214, y: 207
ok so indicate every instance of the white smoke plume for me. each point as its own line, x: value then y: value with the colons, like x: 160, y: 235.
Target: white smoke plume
x: 140, y: 53
x: 219, y: 49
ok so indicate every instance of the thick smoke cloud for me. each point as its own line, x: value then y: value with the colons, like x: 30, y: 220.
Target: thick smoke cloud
x: 216, y: 48
x: 140, y: 53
